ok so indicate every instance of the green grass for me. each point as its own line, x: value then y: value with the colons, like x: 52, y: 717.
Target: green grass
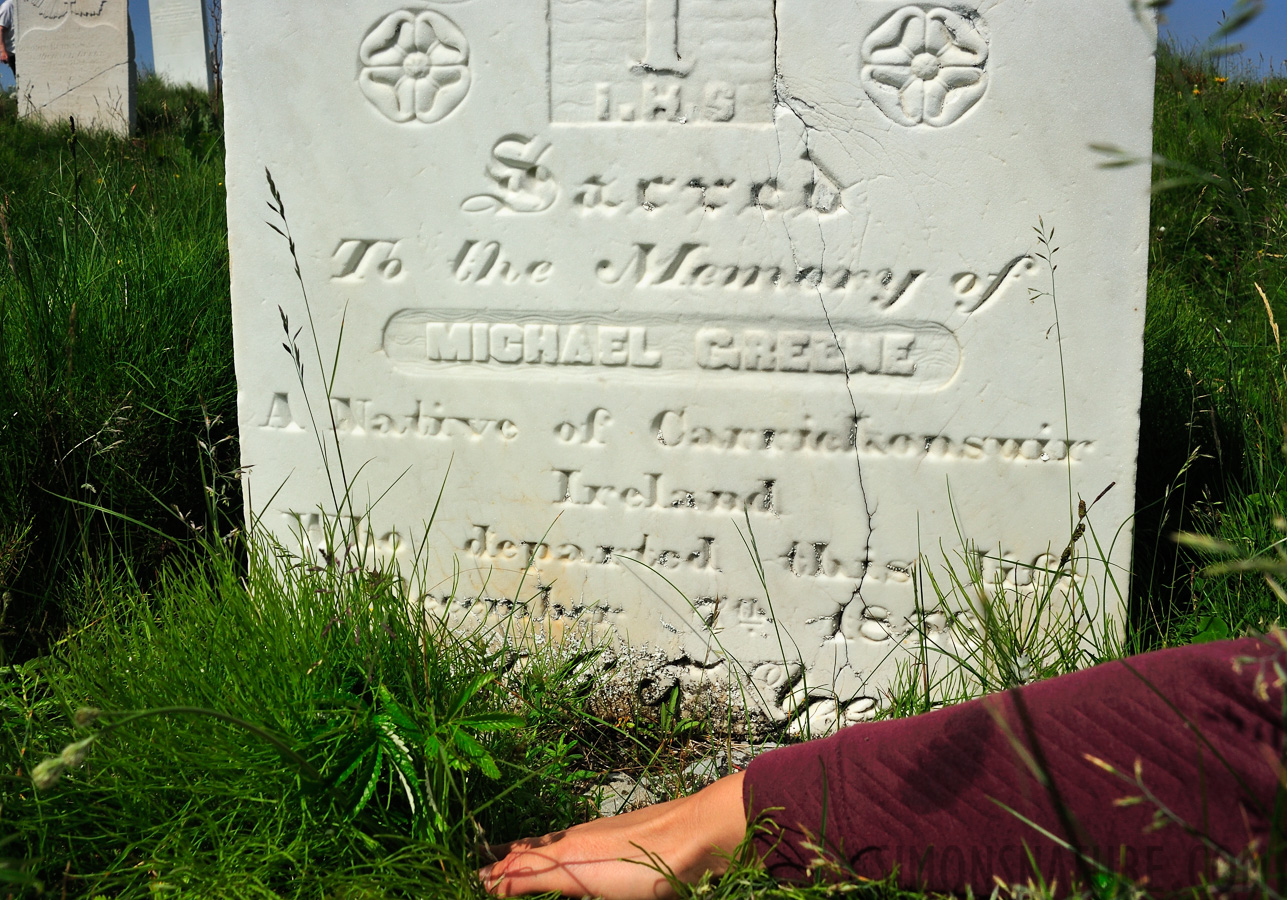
x: 115, y: 357
x: 338, y: 668
x: 1214, y: 370
x: 332, y: 744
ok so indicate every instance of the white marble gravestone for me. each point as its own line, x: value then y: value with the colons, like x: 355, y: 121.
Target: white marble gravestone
x: 76, y: 60
x: 651, y: 288
x: 180, y: 41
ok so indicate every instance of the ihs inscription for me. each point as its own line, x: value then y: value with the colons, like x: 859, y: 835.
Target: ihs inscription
x: 673, y: 62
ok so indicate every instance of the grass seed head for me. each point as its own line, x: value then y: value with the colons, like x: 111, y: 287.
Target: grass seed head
x: 86, y: 715
x: 47, y: 774
x: 74, y: 754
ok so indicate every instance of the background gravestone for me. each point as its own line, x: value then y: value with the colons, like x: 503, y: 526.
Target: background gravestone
x: 180, y: 42
x: 716, y: 322
x: 76, y: 59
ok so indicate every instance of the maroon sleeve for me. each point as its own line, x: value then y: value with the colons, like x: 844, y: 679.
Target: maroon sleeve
x: 946, y: 800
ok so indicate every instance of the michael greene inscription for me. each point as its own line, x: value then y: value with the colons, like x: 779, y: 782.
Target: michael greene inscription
x: 714, y: 323
x: 920, y: 354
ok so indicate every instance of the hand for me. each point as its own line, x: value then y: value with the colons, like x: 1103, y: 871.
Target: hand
x: 617, y: 857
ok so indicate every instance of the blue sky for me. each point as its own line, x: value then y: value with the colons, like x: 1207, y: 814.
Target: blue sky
x: 1188, y: 22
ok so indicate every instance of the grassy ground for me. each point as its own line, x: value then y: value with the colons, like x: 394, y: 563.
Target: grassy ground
x: 1212, y: 422
x: 115, y: 362
x: 315, y: 740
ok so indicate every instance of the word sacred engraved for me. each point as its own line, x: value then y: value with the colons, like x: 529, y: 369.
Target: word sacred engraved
x: 521, y: 182
x: 662, y: 61
x: 356, y: 258
x: 811, y: 190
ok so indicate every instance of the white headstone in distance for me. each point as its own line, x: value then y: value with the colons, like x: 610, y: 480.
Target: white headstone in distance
x: 76, y: 60
x: 720, y: 325
x: 180, y: 42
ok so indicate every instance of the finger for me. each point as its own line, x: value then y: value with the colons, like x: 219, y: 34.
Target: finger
x: 529, y: 873
x: 497, y: 852
x: 539, y: 873
x: 491, y: 877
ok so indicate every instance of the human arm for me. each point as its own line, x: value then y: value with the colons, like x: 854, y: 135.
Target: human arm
x: 944, y: 799
x: 618, y: 857
x: 951, y: 800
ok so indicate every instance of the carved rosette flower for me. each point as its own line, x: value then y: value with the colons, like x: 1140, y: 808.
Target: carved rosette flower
x: 415, y: 66
x: 925, y: 67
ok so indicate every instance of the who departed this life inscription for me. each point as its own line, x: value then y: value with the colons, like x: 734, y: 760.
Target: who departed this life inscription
x: 648, y: 286
x: 76, y: 60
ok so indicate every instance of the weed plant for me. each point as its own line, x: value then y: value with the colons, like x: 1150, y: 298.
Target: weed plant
x: 386, y: 742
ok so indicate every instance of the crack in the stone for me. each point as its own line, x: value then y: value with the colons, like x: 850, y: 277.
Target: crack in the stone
x: 785, y: 100
x: 76, y: 87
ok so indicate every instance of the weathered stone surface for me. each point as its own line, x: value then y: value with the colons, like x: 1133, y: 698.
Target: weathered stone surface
x: 180, y: 42
x: 76, y: 59
x: 717, y: 323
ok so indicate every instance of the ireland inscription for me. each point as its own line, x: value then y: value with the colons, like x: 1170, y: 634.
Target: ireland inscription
x: 720, y: 326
